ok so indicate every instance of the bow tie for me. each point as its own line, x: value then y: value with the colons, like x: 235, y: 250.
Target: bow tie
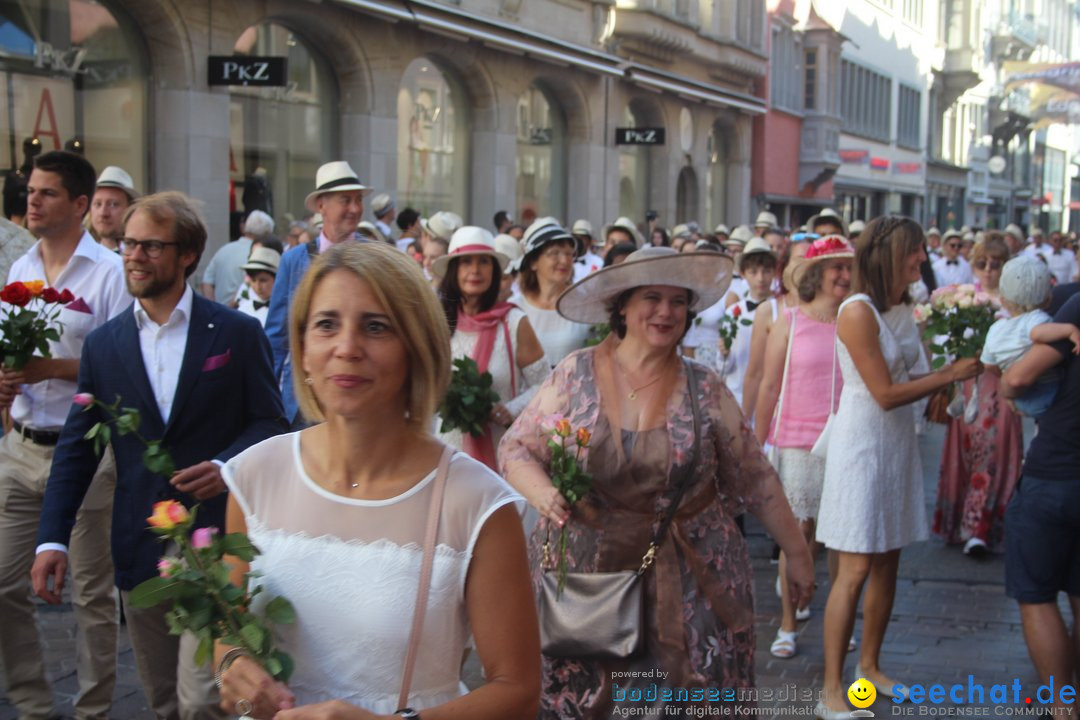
x: 751, y: 306
x: 259, y: 304
x: 952, y: 262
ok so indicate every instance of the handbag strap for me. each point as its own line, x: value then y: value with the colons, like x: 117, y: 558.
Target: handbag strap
x: 687, y: 472
x: 832, y: 392
x: 778, y: 413
x: 434, y: 511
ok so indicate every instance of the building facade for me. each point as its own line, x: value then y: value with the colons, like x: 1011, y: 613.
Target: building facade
x: 466, y: 105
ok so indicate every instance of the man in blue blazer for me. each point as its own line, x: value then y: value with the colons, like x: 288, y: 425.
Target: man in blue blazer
x: 339, y: 197
x: 201, y: 377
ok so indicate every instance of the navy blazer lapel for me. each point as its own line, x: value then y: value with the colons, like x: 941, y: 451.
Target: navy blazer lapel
x: 201, y: 333
x: 130, y: 352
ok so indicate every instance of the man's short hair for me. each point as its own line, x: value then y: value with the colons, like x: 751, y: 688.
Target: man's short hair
x: 76, y: 173
x: 500, y: 219
x: 188, y: 228
x: 407, y: 218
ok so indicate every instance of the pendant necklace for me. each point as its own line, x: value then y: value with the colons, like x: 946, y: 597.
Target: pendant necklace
x: 632, y: 395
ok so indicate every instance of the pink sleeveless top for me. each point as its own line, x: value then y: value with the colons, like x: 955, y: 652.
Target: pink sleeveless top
x: 806, y: 396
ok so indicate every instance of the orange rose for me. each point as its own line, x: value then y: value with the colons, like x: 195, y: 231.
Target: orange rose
x: 583, y: 437
x: 167, y: 515
x: 36, y: 287
x: 562, y: 428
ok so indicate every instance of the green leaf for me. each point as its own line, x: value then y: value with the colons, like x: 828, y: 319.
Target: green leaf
x: 938, y: 362
x: 254, y: 636
x: 128, y: 422
x: 287, y: 666
x: 205, y: 651
x: 239, y: 545
x: 157, y: 459
x: 280, y: 610
x: 153, y: 592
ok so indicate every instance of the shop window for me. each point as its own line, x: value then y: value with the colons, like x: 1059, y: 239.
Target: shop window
x: 633, y: 170
x: 541, y: 156
x: 432, y: 141
x: 278, y: 136
x: 71, y: 70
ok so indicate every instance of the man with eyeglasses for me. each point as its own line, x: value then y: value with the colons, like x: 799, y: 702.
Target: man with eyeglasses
x: 113, y: 195
x: 339, y: 198
x: 951, y: 268
x: 200, y: 376
x: 39, y: 396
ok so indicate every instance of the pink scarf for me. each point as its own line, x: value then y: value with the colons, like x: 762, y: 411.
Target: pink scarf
x: 487, y: 325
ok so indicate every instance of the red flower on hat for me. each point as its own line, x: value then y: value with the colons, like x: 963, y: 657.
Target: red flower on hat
x: 828, y: 245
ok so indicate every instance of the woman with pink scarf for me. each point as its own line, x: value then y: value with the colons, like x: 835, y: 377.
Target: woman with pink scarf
x: 497, y: 335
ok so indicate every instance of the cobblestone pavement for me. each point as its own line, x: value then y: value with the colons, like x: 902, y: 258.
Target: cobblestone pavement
x: 951, y: 619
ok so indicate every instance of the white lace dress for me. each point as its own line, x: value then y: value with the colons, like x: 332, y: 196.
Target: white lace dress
x: 558, y: 336
x: 501, y: 365
x: 351, y: 569
x: 872, y: 499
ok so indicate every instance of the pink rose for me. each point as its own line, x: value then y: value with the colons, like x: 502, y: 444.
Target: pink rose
x: 202, y: 537
x: 167, y: 567
x: 84, y: 399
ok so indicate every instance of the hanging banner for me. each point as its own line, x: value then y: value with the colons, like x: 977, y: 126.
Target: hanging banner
x: 1065, y: 76
x: 854, y: 157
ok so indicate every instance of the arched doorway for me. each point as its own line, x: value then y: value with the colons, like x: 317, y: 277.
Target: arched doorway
x: 716, y: 185
x: 541, y: 155
x: 432, y: 141
x: 686, y: 196
x: 280, y: 135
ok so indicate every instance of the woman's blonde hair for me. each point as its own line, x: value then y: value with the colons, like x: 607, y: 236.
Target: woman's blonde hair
x: 880, y: 252
x: 993, y: 247
x: 414, y: 312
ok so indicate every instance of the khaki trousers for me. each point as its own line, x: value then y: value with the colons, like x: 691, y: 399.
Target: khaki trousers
x: 24, y: 471
x: 176, y: 688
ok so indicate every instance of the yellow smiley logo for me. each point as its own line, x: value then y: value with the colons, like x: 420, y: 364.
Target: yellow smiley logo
x: 862, y: 693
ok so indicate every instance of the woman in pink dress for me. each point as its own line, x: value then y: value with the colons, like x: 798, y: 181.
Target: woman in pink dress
x: 800, y: 388
x: 981, y: 461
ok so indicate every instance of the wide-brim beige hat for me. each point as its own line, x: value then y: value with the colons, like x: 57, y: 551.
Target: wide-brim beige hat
x: 335, y: 176
x: 469, y: 240
x: 705, y: 274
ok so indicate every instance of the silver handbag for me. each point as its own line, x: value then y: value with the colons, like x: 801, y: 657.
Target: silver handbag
x: 600, y: 616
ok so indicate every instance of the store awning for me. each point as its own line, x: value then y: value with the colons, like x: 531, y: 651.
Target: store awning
x: 444, y: 20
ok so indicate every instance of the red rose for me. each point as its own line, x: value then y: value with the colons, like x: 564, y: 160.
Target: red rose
x: 50, y: 295
x: 737, y: 311
x: 16, y: 294
x: 66, y: 296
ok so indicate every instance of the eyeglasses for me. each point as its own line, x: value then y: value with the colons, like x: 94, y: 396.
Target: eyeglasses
x: 152, y: 248
x: 987, y: 264
x: 955, y: 246
x: 558, y: 253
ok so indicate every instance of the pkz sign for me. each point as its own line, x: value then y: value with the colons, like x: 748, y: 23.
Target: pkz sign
x: 639, y: 136
x: 246, y: 70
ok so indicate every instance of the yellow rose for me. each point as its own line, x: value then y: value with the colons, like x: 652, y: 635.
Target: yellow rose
x: 167, y: 515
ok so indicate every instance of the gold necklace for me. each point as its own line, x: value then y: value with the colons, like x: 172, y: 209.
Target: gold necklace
x: 632, y: 395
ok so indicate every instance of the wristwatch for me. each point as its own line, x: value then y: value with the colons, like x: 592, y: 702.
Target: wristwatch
x: 408, y: 714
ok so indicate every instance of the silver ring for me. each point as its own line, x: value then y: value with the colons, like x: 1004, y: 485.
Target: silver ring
x: 243, y: 707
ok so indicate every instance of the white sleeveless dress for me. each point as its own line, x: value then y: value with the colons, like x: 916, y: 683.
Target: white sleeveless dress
x: 872, y: 498
x: 351, y: 569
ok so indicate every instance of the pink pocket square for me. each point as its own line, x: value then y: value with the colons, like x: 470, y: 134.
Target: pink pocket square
x: 216, y: 361
x: 79, y: 305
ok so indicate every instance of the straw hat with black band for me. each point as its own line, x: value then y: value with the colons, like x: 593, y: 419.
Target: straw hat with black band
x: 334, y: 177
x: 705, y: 274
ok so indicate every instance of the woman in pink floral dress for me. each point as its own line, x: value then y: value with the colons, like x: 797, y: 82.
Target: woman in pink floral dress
x: 981, y: 461
x: 631, y: 393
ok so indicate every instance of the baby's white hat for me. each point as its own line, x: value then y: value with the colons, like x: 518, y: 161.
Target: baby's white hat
x: 1025, y: 281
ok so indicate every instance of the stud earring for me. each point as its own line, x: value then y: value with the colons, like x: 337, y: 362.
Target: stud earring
x: 309, y: 381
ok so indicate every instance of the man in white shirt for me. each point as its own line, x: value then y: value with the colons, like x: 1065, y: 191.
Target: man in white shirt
x: 223, y: 275
x: 1036, y: 247
x: 1060, y: 259
x: 951, y: 268
x: 39, y: 396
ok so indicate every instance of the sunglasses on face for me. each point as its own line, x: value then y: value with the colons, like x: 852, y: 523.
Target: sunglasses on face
x: 955, y: 246
x: 987, y: 264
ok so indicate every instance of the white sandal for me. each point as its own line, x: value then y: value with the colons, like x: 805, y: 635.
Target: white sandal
x: 784, y: 646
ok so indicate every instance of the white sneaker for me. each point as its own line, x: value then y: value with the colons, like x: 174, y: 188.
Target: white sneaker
x: 975, y: 547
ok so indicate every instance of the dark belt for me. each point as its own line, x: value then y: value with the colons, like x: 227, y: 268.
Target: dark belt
x: 38, y: 437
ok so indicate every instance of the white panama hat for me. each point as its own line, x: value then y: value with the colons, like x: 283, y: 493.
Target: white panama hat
x: 116, y: 177
x: 336, y: 176
x: 705, y: 274
x: 442, y: 224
